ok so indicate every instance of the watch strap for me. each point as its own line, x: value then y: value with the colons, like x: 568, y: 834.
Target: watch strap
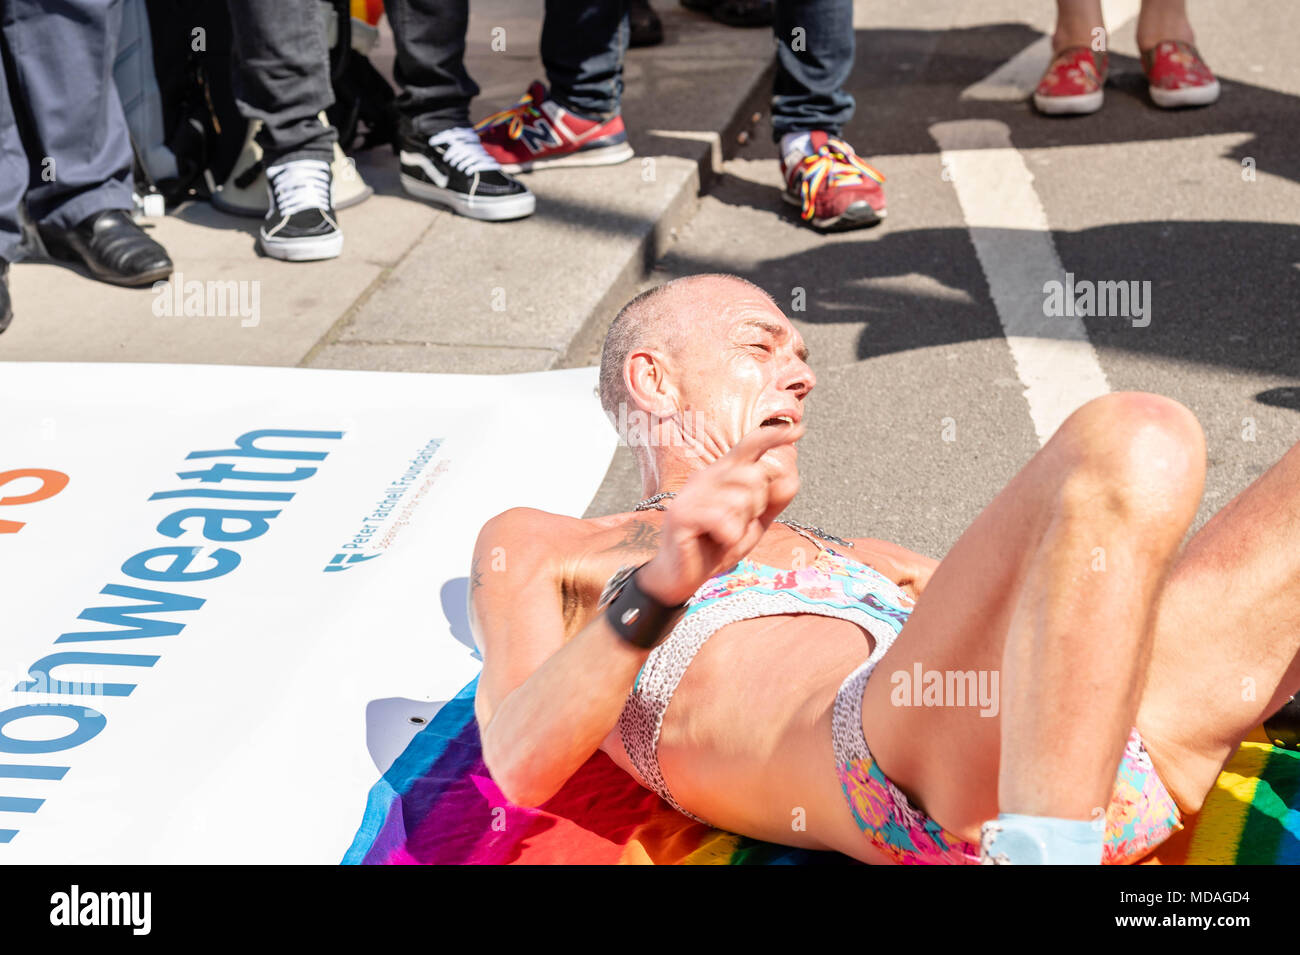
x: 635, y: 616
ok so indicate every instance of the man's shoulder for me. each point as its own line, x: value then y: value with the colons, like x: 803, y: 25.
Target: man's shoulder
x: 527, y: 530
x: 529, y: 522
x: 588, y: 543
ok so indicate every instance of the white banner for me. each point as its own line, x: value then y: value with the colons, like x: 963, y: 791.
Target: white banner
x: 231, y: 595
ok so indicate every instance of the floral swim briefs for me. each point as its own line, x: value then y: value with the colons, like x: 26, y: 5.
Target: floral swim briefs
x: 1141, y: 814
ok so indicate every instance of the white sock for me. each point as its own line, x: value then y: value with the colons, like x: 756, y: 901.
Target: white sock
x: 796, y: 142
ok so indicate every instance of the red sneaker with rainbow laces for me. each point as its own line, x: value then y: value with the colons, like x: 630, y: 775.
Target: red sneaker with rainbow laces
x: 830, y: 183
x: 537, y: 133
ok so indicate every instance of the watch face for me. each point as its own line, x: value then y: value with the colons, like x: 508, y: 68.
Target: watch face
x: 616, y: 584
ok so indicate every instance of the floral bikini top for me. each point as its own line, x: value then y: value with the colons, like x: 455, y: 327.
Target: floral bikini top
x: 831, y: 585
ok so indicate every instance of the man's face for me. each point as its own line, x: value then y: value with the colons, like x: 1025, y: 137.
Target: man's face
x: 741, y: 366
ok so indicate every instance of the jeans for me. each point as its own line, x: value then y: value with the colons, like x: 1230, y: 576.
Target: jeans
x: 282, y: 76
x: 582, y: 48
x: 63, y: 137
x: 814, y: 56
x: 583, y: 45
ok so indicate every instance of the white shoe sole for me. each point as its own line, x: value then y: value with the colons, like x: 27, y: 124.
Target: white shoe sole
x: 487, y: 208
x: 1188, y: 96
x: 605, y: 156
x: 302, y: 250
x: 1069, y: 105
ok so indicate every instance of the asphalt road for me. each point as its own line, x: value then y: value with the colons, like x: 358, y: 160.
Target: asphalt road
x: 921, y: 414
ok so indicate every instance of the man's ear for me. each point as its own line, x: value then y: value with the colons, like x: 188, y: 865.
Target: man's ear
x: 646, y: 378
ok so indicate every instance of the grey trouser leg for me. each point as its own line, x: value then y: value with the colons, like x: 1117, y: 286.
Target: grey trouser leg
x: 77, y: 147
x: 282, y: 76
x: 13, y: 174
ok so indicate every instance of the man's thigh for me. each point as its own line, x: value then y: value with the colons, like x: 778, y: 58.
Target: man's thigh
x: 951, y: 753
x: 1227, y: 633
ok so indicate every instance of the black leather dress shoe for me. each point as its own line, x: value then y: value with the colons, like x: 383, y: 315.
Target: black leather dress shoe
x: 112, y: 246
x: 6, y: 310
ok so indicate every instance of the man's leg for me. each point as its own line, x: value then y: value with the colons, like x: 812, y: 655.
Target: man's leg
x: 814, y: 56
x: 832, y: 186
x: 1053, y: 588
x: 578, y: 121
x: 436, y: 89
x: 62, y: 53
x: 13, y: 173
x: 282, y: 79
x: 13, y: 183
x: 583, y: 45
x: 1225, y: 655
x: 80, y: 190
x: 441, y: 156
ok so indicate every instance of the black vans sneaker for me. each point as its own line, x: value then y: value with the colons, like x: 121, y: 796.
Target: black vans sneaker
x: 300, y: 224
x: 453, y: 169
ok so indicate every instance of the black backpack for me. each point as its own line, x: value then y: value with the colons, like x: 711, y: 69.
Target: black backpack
x: 192, y: 50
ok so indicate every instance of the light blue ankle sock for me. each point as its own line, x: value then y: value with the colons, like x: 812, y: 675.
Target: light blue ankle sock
x: 1040, y: 840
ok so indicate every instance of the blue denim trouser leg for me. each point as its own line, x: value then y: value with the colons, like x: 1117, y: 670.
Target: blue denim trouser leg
x: 814, y: 56
x: 583, y: 44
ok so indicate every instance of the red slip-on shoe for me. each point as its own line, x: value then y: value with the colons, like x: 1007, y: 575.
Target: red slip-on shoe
x: 1177, y: 76
x: 832, y: 186
x: 538, y: 133
x: 1073, y: 82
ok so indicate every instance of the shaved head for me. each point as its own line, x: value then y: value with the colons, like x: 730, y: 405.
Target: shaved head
x: 662, y: 319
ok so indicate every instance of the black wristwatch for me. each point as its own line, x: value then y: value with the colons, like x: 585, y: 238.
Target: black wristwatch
x: 637, y: 617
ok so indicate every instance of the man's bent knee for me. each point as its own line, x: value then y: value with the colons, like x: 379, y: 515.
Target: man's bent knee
x: 1134, y: 455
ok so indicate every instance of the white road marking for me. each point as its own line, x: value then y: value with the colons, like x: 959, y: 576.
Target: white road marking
x: 1009, y: 230
x: 1016, y: 78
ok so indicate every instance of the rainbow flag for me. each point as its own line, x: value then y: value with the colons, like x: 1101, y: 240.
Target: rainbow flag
x: 437, y: 805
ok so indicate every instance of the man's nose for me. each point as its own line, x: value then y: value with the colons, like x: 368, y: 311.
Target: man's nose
x: 802, y: 380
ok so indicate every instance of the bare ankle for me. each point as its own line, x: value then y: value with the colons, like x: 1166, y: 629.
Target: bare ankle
x: 1066, y: 37
x: 1158, y: 31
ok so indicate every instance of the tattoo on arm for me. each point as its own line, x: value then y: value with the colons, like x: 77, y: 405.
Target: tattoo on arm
x: 637, y: 536
x: 475, y: 577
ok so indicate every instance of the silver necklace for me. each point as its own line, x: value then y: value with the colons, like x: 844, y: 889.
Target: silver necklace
x: 654, y: 502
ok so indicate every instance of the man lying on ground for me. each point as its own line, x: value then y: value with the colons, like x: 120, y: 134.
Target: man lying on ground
x: 1116, y: 694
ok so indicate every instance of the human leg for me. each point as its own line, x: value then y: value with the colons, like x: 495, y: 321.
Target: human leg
x: 1052, y: 588
x: 1226, y: 650
x: 79, y: 185
x: 282, y: 77
x: 577, y: 121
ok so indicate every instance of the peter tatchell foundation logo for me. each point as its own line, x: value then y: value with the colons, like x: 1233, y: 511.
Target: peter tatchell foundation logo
x: 74, y: 907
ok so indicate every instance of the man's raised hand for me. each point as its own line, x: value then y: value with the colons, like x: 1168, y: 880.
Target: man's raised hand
x: 722, y: 512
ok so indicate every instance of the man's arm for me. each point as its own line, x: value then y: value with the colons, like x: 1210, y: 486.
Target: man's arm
x: 544, y: 705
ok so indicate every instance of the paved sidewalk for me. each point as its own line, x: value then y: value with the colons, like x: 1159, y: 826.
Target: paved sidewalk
x: 418, y: 288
